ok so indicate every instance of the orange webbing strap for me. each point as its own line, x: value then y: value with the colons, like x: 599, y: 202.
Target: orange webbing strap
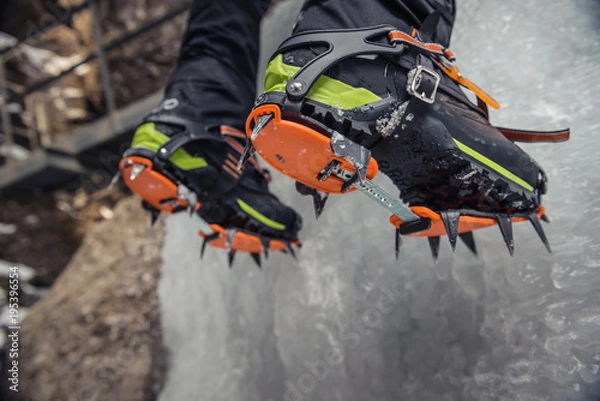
x: 453, y: 72
x: 433, y: 48
x: 231, y: 133
x: 535, y: 136
x: 439, y: 52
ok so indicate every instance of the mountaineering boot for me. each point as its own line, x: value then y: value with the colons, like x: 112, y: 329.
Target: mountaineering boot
x: 339, y: 105
x: 175, y: 164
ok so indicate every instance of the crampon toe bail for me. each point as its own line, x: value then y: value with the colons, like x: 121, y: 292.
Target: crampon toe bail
x: 157, y: 190
x: 301, y: 152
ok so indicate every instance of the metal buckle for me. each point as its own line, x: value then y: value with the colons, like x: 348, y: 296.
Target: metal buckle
x: 416, y: 81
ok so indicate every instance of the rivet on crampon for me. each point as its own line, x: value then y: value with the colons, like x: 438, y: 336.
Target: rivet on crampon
x: 469, y: 240
x: 539, y: 230
x: 256, y: 258
x: 505, y: 224
x: 434, y: 245
x: 296, y: 86
x: 135, y: 171
x: 451, y: 220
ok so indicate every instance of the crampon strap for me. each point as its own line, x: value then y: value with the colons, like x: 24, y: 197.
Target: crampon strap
x: 442, y: 57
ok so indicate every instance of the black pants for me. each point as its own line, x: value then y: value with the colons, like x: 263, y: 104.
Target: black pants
x: 215, y: 77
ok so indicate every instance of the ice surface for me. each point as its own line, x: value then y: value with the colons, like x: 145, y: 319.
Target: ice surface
x: 349, y: 323
x: 386, y: 124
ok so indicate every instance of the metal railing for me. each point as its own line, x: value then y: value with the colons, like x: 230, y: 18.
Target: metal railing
x: 37, y: 138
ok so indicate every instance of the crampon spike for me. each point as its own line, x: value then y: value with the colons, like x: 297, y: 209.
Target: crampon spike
x: 207, y: 239
x: 539, y: 230
x: 291, y: 249
x: 230, y: 257
x: 505, y: 224
x: 266, y: 243
x: 319, y: 197
x: 319, y: 200
x: 434, y: 245
x: 469, y: 240
x: 545, y: 218
x: 154, y: 213
x: 451, y: 219
x: 398, y: 243
x: 246, y: 154
x: 256, y: 258
x: 136, y: 170
x: 261, y: 123
x: 115, y: 179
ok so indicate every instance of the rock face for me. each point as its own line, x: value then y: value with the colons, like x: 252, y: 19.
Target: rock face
x: 37, y: 234
x: 97, y: 334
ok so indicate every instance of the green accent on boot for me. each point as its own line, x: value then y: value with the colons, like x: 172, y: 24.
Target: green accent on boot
x: 258, y: 216
x: 493, y: 165
x: 148, y: 137
x: 326, y: 90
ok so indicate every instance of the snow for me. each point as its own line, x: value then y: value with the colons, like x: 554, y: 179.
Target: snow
x: 348, y: 322
x: 386, y: 124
